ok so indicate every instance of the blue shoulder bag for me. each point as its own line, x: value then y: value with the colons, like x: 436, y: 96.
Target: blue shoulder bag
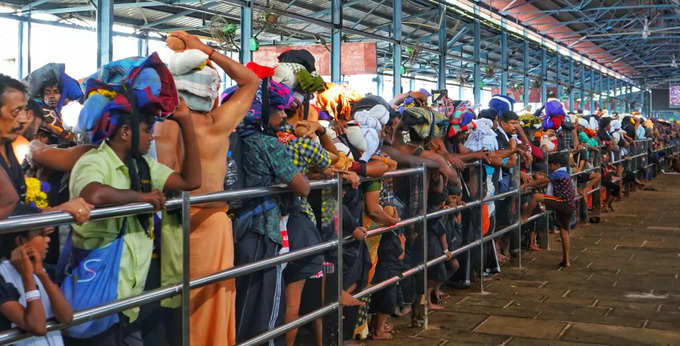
x: 91, y: 280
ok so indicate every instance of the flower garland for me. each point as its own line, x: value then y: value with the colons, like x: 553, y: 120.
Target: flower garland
x: 36, y: 192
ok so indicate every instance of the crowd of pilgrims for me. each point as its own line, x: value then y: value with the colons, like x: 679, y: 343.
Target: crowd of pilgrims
x: 150, y: 129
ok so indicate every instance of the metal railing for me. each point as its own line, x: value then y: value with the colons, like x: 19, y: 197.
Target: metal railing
x: 22, y: 223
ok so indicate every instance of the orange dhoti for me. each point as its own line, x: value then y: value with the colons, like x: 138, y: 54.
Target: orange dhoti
x: 213, y: 316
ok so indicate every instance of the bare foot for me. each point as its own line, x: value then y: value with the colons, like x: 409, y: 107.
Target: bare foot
x: 348, y: 300
x: 441, y: 296
x: 565, y: 264
x: 402, y: 312
x: 432, y: 306
x: 381, y: 336
x: 535, y: 248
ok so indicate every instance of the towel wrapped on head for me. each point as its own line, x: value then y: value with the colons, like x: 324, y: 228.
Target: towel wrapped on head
x: 110, y: 91
x: 196, y: 80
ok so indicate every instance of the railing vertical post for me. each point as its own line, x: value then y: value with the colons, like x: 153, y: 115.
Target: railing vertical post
x: 518, y: 181
x: 547, y: 213
x: 480, y: 184
x: 186, y: 292
x: 340, y: 264
x: 423, y: 213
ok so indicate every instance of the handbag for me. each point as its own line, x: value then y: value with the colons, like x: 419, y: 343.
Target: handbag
x: 91, y: 280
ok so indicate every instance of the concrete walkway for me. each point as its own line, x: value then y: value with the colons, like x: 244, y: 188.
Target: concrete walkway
x: 623, y: 287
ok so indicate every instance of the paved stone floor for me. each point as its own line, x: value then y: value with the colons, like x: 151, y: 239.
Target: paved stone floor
x: 623, y: 287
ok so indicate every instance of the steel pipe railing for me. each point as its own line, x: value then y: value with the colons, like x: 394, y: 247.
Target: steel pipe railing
x: 55, y: 218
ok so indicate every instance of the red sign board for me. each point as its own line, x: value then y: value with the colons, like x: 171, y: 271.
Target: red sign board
x: 356, y: 58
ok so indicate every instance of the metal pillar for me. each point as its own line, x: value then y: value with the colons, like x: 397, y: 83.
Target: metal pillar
x: 525, y: 68
x: 20, y: 54
x: 571, y: 83
x: 336, y: 37
x: 104, y: 32
x: 477, y: 73
x: 609, y: 90
x: 142, y: 46
x: 380, y: 83
x: 558, y: 74
x: 504, y: 60
x: 441, y: 78
x: 544, y: 72
x: 582, y: 105
x: 412, y: 82
x: 592, y: 89
x: 396, y: 47
x: 642, y: 98
x: 245, y: 55
x: 186, y: 301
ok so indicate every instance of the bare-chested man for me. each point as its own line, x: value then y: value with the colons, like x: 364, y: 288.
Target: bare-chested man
x: 213, y: 320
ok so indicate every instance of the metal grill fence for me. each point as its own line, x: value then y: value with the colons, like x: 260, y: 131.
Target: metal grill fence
x: 638, y: 163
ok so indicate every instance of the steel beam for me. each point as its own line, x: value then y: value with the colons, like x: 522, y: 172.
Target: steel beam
x: 336, y: 37
x: 245, y: 54
x: 396, y: 47
x: 104, y: 32
x: 441, y: 78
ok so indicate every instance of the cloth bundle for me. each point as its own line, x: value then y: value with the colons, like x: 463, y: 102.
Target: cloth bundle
x: 109, y: 91
x: 197, y: 82
x: 461, y: 118
x: 482, y: 137
x: 554, y: 115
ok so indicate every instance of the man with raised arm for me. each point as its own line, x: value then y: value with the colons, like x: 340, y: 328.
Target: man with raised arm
x: 213, y: 319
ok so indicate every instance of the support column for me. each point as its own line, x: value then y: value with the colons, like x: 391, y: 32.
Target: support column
x: 143, y: 46
x: 609, y: 94
x: 558, y: 75
x: 245, y: 55
x: 380, y: 83
x: 592, y: 89
x: 20, y: 53
x: 582, y: 105
x: 477, y: 73
x: 104, y: 32
x: 642, y: 97
x: 544, y: 72
x: 504, y: 59
x: 571, y: 83
x: 441, y: 78
x: 336, y: 38
x: 525, y: 68
x: 396, y: 47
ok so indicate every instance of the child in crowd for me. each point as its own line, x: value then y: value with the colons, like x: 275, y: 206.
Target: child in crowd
x: 28, y: 296
x: 560, y: 199
x: 609, y: 172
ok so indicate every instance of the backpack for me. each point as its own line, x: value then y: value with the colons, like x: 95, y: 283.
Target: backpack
x: 242, y: 211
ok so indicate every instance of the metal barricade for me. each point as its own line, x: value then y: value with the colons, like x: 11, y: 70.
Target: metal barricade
x: 17, y: 224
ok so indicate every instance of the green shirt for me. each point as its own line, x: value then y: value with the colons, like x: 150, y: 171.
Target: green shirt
x: 267, y: 162
x: 583, y: 138
x: 102, y: 165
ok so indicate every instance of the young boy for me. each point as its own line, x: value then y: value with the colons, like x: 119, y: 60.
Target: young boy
x: 560, y: 199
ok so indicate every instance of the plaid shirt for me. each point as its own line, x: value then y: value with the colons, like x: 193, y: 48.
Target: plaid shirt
x: 565, y: 140
x: 307, y: 153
